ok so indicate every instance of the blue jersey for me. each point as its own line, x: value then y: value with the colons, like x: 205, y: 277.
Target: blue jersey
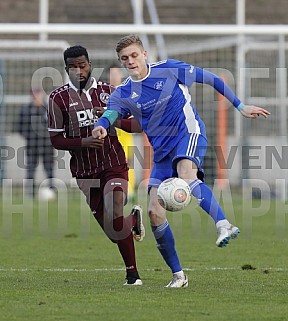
x: 162, y: 104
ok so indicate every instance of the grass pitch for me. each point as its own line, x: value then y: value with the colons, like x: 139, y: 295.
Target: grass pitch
x: 56, y: 264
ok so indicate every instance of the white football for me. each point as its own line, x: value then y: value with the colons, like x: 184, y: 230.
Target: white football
x: 46, y: 194
x: 174, y: 194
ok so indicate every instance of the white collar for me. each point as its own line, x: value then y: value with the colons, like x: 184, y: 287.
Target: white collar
x: 148, y: 73
x: 85, y: 91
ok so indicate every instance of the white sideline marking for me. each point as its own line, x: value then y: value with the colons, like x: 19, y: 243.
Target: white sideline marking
x: 122, y: 269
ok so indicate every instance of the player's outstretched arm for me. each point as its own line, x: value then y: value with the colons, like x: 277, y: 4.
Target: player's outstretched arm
x: 99, y: 132
x: 253, y: 111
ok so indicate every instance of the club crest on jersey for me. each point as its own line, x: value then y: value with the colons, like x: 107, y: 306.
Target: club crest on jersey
x: 104, y: 97
x: 159, y: 85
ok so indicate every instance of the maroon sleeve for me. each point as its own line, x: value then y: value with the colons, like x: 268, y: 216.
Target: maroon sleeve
x: 56, y: 125
x: 129, y: 125
x: 60, y: 142
x: 55, y: 116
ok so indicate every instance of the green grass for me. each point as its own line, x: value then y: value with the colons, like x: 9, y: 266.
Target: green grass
x: 66, y: 269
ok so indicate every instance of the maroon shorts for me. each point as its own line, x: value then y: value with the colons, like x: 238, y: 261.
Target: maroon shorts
x: 94, y: 187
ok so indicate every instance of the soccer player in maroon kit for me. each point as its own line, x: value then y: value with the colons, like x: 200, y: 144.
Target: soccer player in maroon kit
x: 99, y: 166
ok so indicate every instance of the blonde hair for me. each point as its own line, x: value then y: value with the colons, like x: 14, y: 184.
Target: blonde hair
x: 127, y: 41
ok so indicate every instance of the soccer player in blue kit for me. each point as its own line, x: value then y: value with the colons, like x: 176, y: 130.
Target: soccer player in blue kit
x: 157, y: 95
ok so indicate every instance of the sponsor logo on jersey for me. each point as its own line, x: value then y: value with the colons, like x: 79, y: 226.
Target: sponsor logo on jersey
x: 86, y: 117
x: 191, y: 69
x: 73, y: 104
x: 134, y: 95
x: 116, y: 184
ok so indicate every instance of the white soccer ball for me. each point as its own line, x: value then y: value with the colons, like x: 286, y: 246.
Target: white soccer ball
x: 174, y: 194
x: 46, y: 194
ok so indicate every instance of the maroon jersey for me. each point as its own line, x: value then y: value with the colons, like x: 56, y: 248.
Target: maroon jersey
x: 72, y: 113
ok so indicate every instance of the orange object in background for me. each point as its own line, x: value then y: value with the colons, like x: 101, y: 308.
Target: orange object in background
x: 148, y: 159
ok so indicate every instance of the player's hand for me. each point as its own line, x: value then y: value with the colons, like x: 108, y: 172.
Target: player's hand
x: 98, y: 111
x: 91, y: 142
x: 99, y: 132
x: 254, y: 112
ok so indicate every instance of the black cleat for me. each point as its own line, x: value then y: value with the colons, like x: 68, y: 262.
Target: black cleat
x: 138, y: 230
x: 133, y: 278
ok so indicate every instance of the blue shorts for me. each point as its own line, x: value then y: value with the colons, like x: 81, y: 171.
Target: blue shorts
x: 192, y: 147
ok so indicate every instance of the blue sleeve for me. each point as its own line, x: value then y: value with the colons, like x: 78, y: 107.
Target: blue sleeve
x: 104, y: 122
x: 117, y: 102
x: 207, y: 77
x: 108, y: 118
x: 182, y: 71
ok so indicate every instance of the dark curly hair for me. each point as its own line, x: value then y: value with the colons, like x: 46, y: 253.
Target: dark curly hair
x: 74, y: 52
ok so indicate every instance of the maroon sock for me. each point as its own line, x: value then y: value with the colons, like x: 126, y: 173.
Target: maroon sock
x: 126, y: 244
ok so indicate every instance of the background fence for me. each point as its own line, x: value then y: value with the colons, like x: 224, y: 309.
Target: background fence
x: 251, y: 60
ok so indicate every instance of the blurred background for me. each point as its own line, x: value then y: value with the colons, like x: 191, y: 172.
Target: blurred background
x: 34, y: 34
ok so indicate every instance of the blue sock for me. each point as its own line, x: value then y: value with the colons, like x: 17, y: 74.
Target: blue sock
x: 166, y: 246
x: 207, y: 200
